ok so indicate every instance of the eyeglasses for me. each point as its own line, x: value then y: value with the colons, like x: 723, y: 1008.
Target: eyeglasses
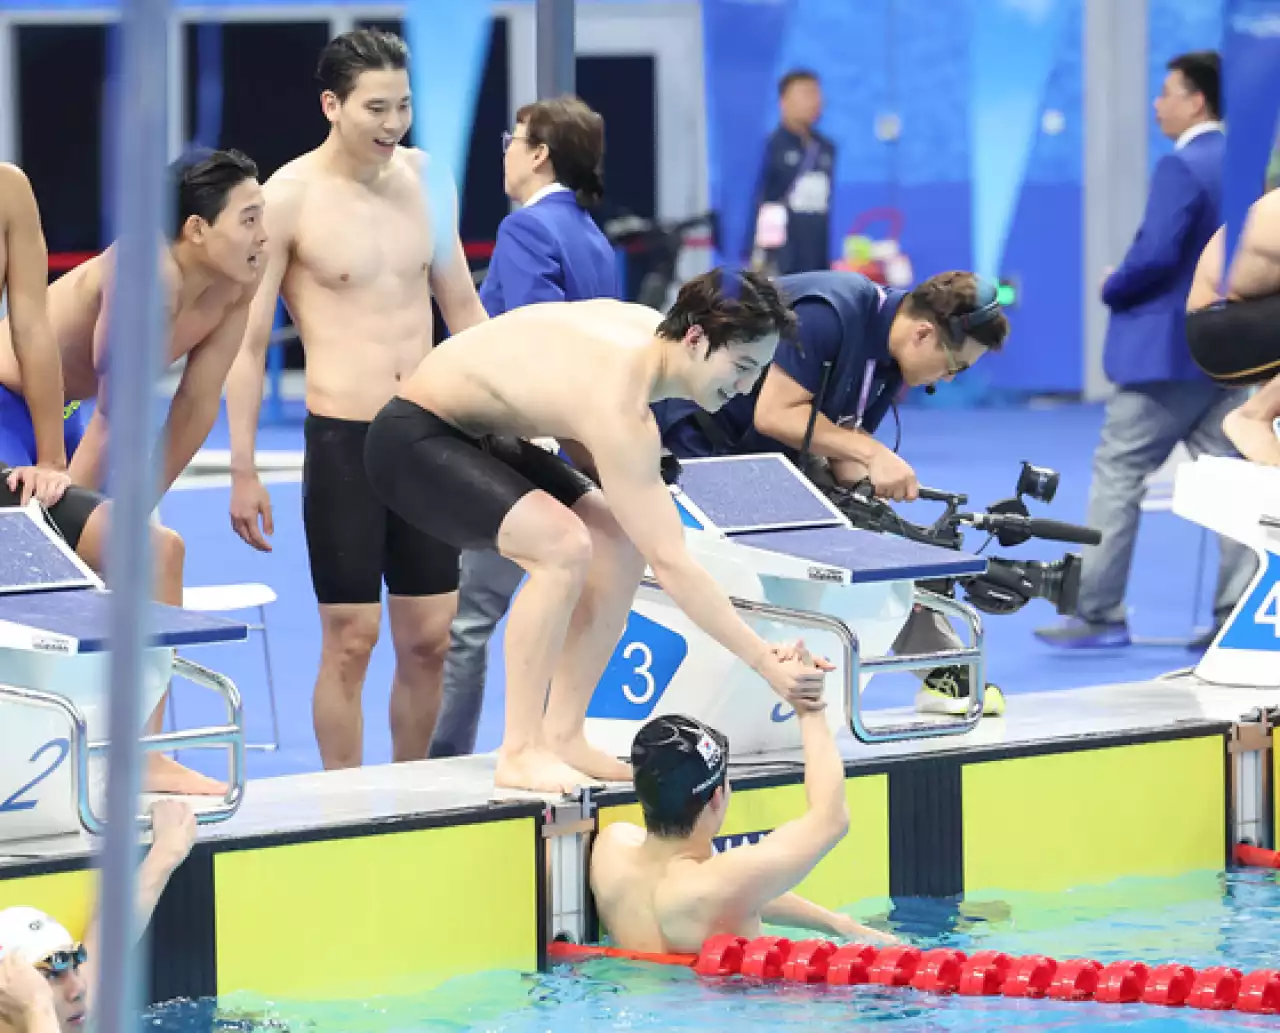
x: 59, y: 962
x: 508, y: 138
x: 955, y: 364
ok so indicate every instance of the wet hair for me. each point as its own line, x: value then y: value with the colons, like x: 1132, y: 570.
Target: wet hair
x: 794, y: 76
x: 203, y: 180
x: 944, y: 300
x: 360, y: 50
x: 574, y: 138
x: 678, y: 764
x: 731, y: 307
x: 1202, y: 69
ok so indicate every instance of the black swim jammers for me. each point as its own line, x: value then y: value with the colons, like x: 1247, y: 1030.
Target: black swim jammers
x: 1237, y: 342
x: 456, y: 487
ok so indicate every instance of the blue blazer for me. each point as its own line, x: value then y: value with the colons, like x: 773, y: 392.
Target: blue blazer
x: 549, y: 251
x: 1147, y: 294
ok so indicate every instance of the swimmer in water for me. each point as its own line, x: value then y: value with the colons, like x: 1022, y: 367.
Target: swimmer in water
x: 31, y: 939
x: 664, y: 888
x: 1234, y: 329
x: 452, y: 454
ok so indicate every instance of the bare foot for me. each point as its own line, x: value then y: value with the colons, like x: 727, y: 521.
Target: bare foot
x: 165, y: 775
x: 597, y: 763
x: 537, y: 771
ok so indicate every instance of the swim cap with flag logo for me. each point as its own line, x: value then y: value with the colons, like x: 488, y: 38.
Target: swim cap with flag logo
x: 675, y: 759
x: 33, y: 934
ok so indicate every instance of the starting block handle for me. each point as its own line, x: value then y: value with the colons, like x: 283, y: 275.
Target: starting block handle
x: 973, y: 657
x: 230, y: 735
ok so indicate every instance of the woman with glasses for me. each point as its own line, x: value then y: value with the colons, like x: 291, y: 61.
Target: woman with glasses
x: 548, y: 249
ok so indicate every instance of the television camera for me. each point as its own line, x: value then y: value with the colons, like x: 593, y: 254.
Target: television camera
x: 1008, y: 584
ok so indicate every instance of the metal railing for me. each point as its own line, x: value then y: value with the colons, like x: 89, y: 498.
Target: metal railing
x: 973, y: 657
x: 229, y: 735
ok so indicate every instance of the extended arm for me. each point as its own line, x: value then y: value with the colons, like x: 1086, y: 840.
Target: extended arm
x: 793, y: 910
x: 451, y: 282
x: 195, y: 404
x: 754, y: 878
x: 250, y: 503
x: 248, y: 372
x: 627, y: 462
x: 174, y: 825
x: 33, y: 344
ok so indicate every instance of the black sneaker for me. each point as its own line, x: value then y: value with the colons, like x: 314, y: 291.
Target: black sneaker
x: 946, y: 691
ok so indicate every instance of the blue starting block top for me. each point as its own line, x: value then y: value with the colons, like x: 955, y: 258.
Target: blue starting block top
x: 50, y: 601
x: 755, y: 493
x: 29, y: 560
x: 764, y: 502
x: 867, y: 556
x: 79, y: 621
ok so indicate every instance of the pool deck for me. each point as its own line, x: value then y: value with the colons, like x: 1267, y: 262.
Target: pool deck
x: 1077, y: 787
x: 332, y: 801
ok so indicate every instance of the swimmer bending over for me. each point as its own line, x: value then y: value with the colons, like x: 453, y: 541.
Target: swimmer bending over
x: 1234, y: 332
x: 210, y: 269
x: 451, y: 454
x: 664, y: 889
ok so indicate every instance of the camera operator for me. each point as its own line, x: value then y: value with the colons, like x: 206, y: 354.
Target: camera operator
x: 858, y: 345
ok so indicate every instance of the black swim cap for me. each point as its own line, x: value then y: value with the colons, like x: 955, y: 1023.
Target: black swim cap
x: 678, y: 764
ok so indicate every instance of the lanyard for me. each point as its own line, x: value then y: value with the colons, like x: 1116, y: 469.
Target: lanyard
x: 869, y: 375
x: 868, y: 378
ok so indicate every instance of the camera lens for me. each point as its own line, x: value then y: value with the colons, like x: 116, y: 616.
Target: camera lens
x: 1039, y: 482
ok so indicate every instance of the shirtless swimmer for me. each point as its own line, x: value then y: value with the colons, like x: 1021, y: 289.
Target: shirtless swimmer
x: 664, y: 888
x: 452, y: 454
x: 210, y: 269
x: 353, y: 253
x: 1234, y: 331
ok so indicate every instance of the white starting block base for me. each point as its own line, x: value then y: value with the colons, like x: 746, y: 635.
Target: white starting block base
x: 1241, y: 500
x: 37, y: 791
x: 767, y: 536
x: 55, y: 676
x: 666, y: 665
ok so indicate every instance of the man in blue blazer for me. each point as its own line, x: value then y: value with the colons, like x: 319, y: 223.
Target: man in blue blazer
x: 1162, y: 397
x: 548, y: 249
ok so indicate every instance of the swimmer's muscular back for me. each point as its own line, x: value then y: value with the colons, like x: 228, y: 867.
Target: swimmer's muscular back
x: 1255, y: 266
x: 568, y: 370
x: 356, y: 261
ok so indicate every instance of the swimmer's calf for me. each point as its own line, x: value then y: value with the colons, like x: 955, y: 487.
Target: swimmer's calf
x: 663, y: 888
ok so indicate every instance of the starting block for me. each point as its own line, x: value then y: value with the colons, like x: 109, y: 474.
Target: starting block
x: 55, y: 678
x: 1241, y: 500
x: 794, y: 568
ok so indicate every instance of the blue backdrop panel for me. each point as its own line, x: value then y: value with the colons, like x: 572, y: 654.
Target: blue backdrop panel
x: 742, y: 41
x: 1251, y: 88
x: 447, y: 41
x: 1175, y: 27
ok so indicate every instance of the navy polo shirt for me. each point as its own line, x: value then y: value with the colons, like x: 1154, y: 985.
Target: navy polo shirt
x: 844, y: 319
x: 802, y: 181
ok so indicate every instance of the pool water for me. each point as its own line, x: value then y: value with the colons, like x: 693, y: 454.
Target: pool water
x: 1199, y: 920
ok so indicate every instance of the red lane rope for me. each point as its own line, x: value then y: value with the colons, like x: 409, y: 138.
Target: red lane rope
x: 64, y: 261
x: 944, y: 970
